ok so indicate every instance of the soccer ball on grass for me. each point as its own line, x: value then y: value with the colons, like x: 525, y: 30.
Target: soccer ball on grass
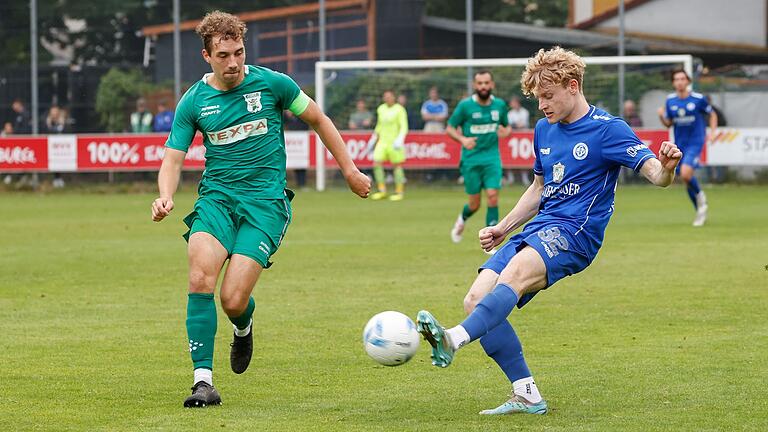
x: 390, y: 338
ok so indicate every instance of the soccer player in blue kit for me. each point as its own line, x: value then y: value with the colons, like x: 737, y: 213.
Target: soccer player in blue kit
x: 688, y: 111
x: 579, y: 152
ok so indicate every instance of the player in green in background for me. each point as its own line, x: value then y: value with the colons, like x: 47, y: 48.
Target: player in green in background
x: 243, y: 209
x: 389, y: 137
x: 477, y: 123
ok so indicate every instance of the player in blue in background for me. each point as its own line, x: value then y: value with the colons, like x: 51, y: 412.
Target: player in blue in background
x: 579, y: 152
x: 689, y: 112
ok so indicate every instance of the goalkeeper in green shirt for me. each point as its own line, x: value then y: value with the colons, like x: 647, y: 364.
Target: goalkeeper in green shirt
x: 389, y: 137
x: 243, y: 209
x: 477, y: 123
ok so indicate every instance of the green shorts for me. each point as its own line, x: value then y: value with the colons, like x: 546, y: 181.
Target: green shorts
x: 386, y: 152
x: 243, y: 225
x: 479, y: 177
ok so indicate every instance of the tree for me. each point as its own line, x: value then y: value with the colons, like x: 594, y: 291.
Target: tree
x: 551, y: 13
x: 116, y: 89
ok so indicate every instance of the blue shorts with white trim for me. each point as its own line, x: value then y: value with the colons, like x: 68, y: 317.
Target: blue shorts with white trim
x: 563, y: 255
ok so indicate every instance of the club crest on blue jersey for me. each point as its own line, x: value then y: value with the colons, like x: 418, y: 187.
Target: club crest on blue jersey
x: 580, y: 151
x: 253, y: 101
x: 558, y: 172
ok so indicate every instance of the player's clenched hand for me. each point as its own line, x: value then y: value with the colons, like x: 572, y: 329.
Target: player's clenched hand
x: 469, y: 142
x: 161, y: 207
x: 360, y: 184
x: 669, y: 155
x: 490, y: 237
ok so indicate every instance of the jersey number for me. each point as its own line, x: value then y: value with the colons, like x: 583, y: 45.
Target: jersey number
x: 552, y: 240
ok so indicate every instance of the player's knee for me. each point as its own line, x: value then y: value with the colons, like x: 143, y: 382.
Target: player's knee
x: 493, y: 200
x: 200, y: 282
x: 470, y: 302
x: 233, y: 304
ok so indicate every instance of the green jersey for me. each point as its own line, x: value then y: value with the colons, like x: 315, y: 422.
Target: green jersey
x: 482, y: 122
x: 242, y: 130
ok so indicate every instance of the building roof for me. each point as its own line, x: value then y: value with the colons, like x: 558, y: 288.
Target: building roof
x: 638, y: 43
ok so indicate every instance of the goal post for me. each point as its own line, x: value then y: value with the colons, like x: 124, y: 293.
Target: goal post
x: 327, y: 72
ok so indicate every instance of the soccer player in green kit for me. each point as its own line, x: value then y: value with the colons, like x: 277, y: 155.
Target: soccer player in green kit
x: 477, y: 123
x: 243, y: 209
x: 389, y: 136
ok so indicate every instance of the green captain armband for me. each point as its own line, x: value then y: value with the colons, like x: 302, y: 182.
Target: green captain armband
x: 300, y: 104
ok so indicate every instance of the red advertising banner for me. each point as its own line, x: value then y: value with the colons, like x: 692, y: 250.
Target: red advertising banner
x: 144, y: 152
x: 23, y: 154
x: 131, y: 152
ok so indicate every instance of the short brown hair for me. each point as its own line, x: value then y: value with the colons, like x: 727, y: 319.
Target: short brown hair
x: 556, y: 65
x: 677, y: 71
x: 218, y: 23
x: 483, y: 72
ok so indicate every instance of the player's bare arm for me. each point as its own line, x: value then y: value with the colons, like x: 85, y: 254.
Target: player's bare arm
x: 504, y: 131
x: 466, y: 142
x: 662, y: 117
x: 525, y: 209
x: 358, y: 182
x: 712, y: 125
x: 167, y: 182
x: 661, y: 171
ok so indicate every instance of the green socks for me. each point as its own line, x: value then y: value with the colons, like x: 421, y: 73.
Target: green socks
x: 201, y: 329
x: 467, y: 212
x: 242, y: 321
x: 492, y: 216
x: 399, y: 175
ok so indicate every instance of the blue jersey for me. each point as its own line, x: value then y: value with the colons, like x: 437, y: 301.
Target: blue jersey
x: 689, y: 116
x: 580, y: 163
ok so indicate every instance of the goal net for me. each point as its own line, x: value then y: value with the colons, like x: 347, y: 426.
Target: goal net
x: 339, y: 85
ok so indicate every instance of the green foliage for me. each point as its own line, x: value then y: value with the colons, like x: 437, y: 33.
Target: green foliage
x: 551, y: 13
x: 116, y: 91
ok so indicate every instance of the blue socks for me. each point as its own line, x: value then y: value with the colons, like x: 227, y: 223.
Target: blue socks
x: 490, y: 312
x: 503, y: 346
x: 693, y: 190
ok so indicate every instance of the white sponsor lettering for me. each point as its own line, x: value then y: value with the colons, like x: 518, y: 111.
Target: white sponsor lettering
x: 415, y: 150
x: 564, y: 191
x: 238, y: 132
x: 632, y: 151
x: 545, y: 151
x: 113, y: 153
x: 17, y: 155
x: 207, y: 113
x: 209, y: 107
x: 481, y: 129
x: 601, y: 117
x: 521, y: 148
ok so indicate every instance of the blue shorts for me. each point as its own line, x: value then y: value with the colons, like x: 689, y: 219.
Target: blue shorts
x: 562, y: 254
x: 691, y: 156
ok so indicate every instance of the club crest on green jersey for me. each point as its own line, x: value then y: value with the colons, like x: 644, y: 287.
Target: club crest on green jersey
x: 253, y: 101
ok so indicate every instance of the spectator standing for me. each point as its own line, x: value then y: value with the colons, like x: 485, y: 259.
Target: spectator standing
x: 630, y: 114
x: 360, y: 118
x: 434, y: 112
x: 141, y: 119
x: 163, y: 119
x: 21, y: 123
x: 518, y: 119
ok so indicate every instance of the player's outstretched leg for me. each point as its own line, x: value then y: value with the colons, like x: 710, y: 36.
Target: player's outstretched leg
x: 701, y: 209
x: 518, y: 405
x: 203, y: 394
x: 434, y: 333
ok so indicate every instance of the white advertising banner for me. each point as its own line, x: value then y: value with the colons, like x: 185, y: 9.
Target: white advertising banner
x: 62, y: 153
x: 297, y: 150
x: 738, y: 146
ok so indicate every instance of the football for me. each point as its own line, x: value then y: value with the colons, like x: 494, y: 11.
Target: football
x: 390, y: 338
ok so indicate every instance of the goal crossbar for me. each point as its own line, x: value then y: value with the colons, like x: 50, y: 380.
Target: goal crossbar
x: 321, y: 68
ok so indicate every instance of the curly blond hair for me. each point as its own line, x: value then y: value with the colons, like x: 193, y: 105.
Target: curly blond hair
x: 218, y: 23
x: 556, y: 66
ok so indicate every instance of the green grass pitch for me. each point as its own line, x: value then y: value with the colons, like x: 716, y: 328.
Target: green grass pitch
x: 666, y: 331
